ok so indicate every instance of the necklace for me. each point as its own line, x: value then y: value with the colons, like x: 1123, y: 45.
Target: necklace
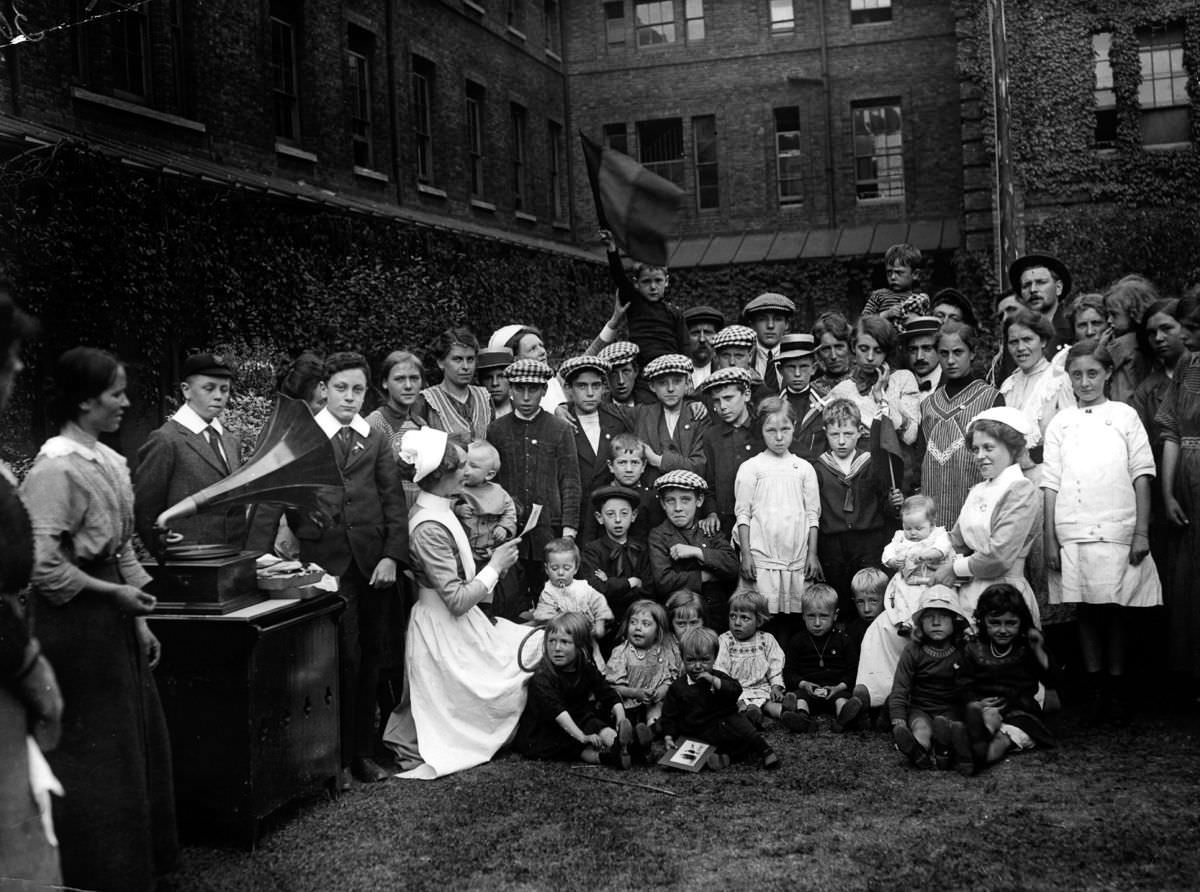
x: 821, y: 652
x: 998, y: 654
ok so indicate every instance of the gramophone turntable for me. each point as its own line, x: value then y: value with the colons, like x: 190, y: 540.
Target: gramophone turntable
x: 294, y: 465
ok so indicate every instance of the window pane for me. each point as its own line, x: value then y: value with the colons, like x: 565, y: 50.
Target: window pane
x: 878, y: 151
x: 615, y: 138
x: 864, y: 12
x: 614, y: 23
x: 660, y: 148
x: 789, y: 160
x: 783, y: 16
x: 655, y: 22
x: 704, y: 138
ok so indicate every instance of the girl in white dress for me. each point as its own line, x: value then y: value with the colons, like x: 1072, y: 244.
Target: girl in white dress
x: 1098, y: 474
x: 777, y: 506
x: 464, y: 685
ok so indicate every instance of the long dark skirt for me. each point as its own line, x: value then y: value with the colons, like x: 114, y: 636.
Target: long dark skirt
x: 116, y: 823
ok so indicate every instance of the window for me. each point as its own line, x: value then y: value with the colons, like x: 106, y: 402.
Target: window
x: 615, y: 137
x: 130, y: 52
x: 1163, y: 92
x: 867, y: 12
x: 660, y: 148
x: 476, y: 106
x: 553, y: 26
x: 704, y: 144
x: 878, y: 151
x: 655, y: 23
x: 285, y: 77
x: 558, y: 166
x: 359, y: 51
x: 693, y: 15
x: 517, y: 115
x: 1106, y: 97
x: 181, y: 62
x: 789, y: 161
x: 422, y: 116
x: 614, y: 23
x: 783, y: 17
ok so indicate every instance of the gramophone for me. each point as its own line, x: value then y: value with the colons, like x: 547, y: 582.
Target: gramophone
x: 294, y: 467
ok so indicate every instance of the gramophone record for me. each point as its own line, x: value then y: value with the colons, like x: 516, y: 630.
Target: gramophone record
x: 200, y: 552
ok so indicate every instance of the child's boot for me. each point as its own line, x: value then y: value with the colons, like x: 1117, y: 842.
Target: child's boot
x: 770, y: 760
x: 797, y: 721
x: 717, y: 761
x: 754, y: 714
x: 964, y: 755
x: 907, y: 744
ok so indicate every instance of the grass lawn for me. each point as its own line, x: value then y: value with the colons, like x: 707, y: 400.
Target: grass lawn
x: 1108, y: 809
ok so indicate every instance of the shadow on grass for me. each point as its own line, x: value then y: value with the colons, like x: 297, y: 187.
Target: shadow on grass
x: 1109, y: 809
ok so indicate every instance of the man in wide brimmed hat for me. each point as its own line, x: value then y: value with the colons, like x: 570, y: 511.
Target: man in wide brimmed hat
x: 1043, y: 283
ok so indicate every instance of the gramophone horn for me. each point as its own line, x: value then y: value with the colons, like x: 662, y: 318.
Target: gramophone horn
x: 293, y: 466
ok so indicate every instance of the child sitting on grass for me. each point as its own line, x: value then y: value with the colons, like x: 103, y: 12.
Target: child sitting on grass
x: 820, y: 666
x: 1000, y: 674
x: 926, y: 683
x: 643, y: 665
x: 563, y: 593
x: 572, y: 713
x: 867, y: 587
x: 755, y: 660
x: 703, y: 704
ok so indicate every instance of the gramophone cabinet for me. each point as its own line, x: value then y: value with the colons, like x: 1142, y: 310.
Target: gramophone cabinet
x: 251, y: 700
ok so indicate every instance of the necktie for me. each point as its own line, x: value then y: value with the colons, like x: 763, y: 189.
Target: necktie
x: 770, y: 376
x: 925, y: 385
x: 214, y: 442
x: 619, y: 565
x: 346, y: 439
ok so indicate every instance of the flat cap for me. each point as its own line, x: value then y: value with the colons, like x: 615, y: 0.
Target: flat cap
x: 693, y: 315
x: 586, y: 363
x: 616, y: 491
x: 619, y: 352
x: 723, y: 377
x: 769, y: 300
x: 733, y: 336
x: 681, y: 479
x: 206, y: 364
x: 528, y: 371
x: 670, y: 364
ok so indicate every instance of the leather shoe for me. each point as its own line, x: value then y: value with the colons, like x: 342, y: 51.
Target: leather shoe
x: 368, y: 770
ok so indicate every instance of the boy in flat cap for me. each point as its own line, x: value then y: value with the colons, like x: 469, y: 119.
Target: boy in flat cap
x: 673, y: 436
x: 538, y: 466
x: 190, y: 451
x: 770, y: 315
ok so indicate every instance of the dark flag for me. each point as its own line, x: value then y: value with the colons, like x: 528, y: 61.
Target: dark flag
x: 638, y: 207
x: 886, y: 452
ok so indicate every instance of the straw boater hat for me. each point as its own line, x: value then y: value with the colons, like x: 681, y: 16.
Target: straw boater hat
x: 576, y: 364
x: 1014, y: 418
x: 616, y: 491
x: 1029, y: 261
x: 528, y: 371
x: 725, y: 377
x: 424, y: 449
x: 796, y: 345
x: 733, y: 336
x: 768, y: 301
x: 670, y: 364
x: 620, y: 352
x: 916, y: 326
x: 499, y: 358
x: 681, y: 479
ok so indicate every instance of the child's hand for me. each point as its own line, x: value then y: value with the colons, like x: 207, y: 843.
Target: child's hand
x: 499, y: 534
x: 1036, y: 638
x: 563, y: 412
x: 895, y: 498
x: 699, y: 411
x: 806, y: 686
x: 681, y: 552
x: 898, y: 723
x: 635, y: 582
x: 749, y: 571
x: 1050, y: 549
x: 903, y: 629
x: 776, y: 693
x: 653, y: 459
x: 600, y: 574
x: 1138, y: 549
x: 646, y: 695
x: 617, y: 319
x: 594, y: 741
x: 822, y: 693
x: 710, y: 525
x: 710, y: 678
x: 669, y: 742
x: 606, y: 236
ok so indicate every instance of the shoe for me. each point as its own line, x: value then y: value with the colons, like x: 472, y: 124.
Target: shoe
x: 851, y: 710
x: 1034, y: 727
x: 618, y: 756
x: 913, y: 751
x: 797, y: 722
x: 941, y: 731
x: 770, y: 760
x: 640, y: 748
x: 941, y: 758
x: 625, y: 732
x: 964, y: 755
x: 345, y: 779
x: 790, y: 703
x: 717, y: 761
x: 368, y: 770
x: 754, y: 714
x: 978, y: 733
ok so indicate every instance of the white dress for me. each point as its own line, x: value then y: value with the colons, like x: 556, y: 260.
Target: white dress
x: 996, y: 528
x: 464, y: 687
x: 778, y: 498
x: 1092, y: 457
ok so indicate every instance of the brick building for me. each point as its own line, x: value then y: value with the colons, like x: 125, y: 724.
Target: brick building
x: 447, y: 112
x: 797, y: 130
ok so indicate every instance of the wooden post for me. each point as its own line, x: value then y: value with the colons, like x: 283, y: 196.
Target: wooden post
x: 1004, y: 212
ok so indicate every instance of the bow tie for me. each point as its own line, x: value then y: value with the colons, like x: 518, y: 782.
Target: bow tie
x: 924, y: 386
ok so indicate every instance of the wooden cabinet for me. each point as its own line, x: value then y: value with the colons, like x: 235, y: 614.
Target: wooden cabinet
x: 251, y: 700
